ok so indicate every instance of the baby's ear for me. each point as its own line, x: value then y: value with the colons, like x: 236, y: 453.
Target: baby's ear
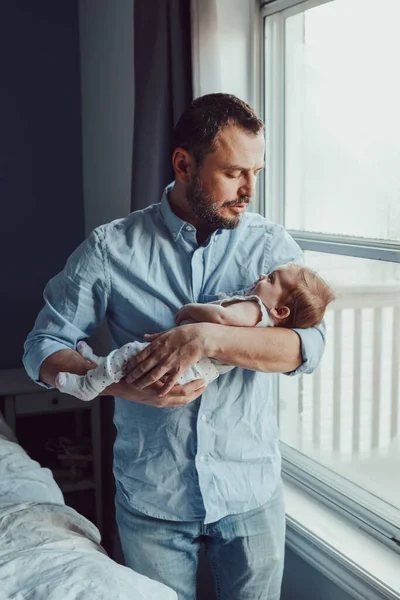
x: 280, y: 313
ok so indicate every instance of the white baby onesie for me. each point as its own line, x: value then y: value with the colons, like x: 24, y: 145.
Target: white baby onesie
x: 112, y: 368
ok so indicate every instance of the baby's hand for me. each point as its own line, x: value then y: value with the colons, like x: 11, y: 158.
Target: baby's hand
x: 182, y: 314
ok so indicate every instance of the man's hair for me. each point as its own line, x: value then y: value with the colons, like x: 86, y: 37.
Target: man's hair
x: 307, y: 300
x: 199, y: 125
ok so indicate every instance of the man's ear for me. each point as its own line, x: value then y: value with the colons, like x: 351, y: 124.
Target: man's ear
x: 279, y: 313
x: 182, y: 163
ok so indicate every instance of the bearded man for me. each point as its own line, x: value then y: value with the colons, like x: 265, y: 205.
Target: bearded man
x: 193, y: 464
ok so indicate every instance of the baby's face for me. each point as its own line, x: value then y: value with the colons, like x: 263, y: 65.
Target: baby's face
x: 272, y: 289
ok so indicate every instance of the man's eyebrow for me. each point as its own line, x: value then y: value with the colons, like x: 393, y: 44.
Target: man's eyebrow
x: 240, y: 168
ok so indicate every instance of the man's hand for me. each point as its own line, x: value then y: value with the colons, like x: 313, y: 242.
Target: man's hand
x: 180, y: 395
x: 169, y: 354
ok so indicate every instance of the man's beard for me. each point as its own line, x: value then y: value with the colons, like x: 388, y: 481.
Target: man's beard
x: 205, y: 208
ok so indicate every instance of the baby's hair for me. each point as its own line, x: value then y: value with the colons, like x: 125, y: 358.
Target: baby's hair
x: 307, y: 300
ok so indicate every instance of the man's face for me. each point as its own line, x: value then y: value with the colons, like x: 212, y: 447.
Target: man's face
x: 220, y: 190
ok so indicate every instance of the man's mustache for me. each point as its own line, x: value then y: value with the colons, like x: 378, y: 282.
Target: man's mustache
x: 240, y: 202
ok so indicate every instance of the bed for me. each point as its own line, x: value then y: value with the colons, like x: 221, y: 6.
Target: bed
x: 47, y: 550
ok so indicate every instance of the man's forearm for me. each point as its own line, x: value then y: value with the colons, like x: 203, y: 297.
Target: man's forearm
x: 67, y: 361
x: 270, y: 349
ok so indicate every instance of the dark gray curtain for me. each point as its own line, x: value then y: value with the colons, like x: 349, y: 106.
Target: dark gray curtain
x: 163, y: 88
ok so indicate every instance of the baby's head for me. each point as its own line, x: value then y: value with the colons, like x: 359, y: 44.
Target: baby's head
x: 295, y: 296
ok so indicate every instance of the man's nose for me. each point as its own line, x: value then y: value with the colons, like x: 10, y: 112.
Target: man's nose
x: 248, y: 187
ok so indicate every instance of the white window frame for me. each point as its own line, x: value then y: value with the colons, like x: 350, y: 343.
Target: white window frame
x: 368, y: 512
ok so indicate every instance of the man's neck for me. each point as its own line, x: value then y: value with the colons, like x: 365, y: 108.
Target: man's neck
x: 180, y: 207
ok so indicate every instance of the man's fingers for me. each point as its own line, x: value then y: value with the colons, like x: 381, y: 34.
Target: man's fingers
x: 169, y: 384
x: 157, y: 385
x: 150, y: 377
x: 140, y: 368
x: 179, y: 396
x: 152, y: 336
x: 188, y: 388
x: 137, y: 360
x: 191, y: 391
x: 196, y: 394
x: 193, y: 386
x: 136, y: 369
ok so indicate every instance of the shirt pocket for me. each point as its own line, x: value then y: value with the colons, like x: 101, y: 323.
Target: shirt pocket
x: 221, y: 295
x: 205, y: 298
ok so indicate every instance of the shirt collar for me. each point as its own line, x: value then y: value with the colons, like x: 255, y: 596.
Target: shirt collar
x: 173, y: 223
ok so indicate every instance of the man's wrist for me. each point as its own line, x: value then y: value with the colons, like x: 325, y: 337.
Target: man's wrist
x: 115, y: 389
x: 67, y: 361
x: 211, y: 338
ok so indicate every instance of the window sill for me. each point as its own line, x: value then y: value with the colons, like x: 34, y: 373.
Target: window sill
x: 356, y: 562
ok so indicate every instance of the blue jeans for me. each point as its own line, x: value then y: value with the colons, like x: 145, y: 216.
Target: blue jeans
x: 245, y: 551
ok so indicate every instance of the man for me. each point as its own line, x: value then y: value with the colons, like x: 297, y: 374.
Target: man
x: 206, y: 466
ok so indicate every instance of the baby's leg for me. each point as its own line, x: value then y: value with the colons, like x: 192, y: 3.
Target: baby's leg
x: 110, y: 369
x: 203, y: 369
x: 77, y: 385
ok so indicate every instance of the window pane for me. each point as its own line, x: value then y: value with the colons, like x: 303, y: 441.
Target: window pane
x: 347, y: 414
x: 342, y: 119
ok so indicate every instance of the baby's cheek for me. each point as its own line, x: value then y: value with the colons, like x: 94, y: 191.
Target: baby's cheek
x: 259, y: 288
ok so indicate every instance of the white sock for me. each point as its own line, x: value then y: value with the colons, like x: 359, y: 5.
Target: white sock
x: 84, y: 387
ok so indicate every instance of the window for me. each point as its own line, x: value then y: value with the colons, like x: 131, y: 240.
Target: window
x: 332, y: 98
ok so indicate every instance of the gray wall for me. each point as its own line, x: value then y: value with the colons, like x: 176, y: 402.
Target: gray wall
x: 106, y: 41
x: 40, y: 158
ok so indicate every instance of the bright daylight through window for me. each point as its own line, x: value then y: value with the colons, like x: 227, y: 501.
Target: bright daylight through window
x: 332, y: 98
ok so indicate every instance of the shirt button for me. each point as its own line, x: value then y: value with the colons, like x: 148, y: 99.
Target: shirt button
x: 188, y: 228
x: 201, y: 458
x: 203, y: 418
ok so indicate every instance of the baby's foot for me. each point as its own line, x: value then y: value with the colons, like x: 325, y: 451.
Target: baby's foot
x: 85, y: 350
x: 68, y: 383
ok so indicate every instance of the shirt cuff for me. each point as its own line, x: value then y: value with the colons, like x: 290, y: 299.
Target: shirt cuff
x: 311, y: 346
x: 35, y: 357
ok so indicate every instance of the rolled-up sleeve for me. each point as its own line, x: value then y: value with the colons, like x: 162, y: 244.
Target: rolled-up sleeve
x: 312, y: 345
x: 282, y: 249
x: 75, y: 305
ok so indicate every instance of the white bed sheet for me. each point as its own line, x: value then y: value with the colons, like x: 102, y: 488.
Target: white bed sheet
x: 50, y: 552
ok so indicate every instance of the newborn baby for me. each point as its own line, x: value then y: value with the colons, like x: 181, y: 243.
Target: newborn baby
x: 292, y: 296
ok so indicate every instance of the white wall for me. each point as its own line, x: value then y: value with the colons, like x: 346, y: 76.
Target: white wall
x: 225, y: 43
x: 107, y: 87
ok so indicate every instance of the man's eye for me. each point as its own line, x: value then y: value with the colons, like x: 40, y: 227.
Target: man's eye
x: 232, y: 175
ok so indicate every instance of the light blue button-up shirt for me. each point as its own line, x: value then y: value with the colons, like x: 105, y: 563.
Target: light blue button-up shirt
x: 219, y: 455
